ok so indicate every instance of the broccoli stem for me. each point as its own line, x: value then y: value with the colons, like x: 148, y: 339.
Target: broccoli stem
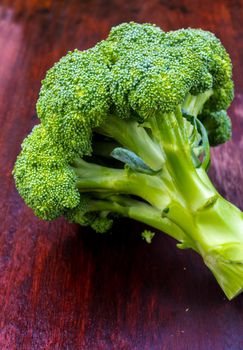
x: 216, y: 230
x: 92, y: 177
x: 171, y: 133
x: 134, y: 137
x: 213, y: 230
x: 193, y: 105
x: 139, y: 211
x: 179, y: 200
x: 166, y: 146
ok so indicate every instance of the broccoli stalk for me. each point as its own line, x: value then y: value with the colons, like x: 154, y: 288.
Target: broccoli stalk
x: 179, y: 199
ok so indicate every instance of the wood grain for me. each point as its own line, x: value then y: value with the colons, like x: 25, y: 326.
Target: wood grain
x: 65, y: 287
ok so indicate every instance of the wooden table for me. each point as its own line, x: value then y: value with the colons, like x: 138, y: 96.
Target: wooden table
x: 65, y: 287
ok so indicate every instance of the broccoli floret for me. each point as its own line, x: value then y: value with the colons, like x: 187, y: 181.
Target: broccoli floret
x: 74, y: 98
x: 86, y: 214
x: 43, y: 177
x: 218, y: 126
x: 147, y: 236
x: 125, y: 131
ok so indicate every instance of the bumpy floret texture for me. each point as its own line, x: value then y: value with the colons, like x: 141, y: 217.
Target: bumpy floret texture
x: 218, y: 126
x: 157, y: 73
x: 137, y: 71
x: 84, y: 216
x: 43, y: 177
x: 74, y: 98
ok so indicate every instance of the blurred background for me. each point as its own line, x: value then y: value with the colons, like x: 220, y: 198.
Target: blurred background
x: 65, y: 287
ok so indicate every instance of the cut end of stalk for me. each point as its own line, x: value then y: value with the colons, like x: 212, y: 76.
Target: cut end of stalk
x: 226, y: 264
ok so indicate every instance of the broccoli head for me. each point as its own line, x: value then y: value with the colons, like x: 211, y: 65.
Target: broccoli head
x: 126, y: 129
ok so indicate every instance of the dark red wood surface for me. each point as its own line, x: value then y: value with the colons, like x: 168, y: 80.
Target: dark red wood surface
x: 65, y: 287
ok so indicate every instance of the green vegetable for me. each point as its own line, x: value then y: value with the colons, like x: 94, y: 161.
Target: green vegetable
x: 148, y: 236
x: 126, y: 129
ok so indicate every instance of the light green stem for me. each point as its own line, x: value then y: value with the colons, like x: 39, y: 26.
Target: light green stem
x: 134, y: 137
x: 180, y: 200
x: 91, y: 177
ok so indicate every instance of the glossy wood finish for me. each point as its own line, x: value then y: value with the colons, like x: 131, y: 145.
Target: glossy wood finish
x: 65, y: 287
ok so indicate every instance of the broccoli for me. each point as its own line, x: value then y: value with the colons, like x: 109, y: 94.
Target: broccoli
x: 126, y: 129
x: 218, y: 126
